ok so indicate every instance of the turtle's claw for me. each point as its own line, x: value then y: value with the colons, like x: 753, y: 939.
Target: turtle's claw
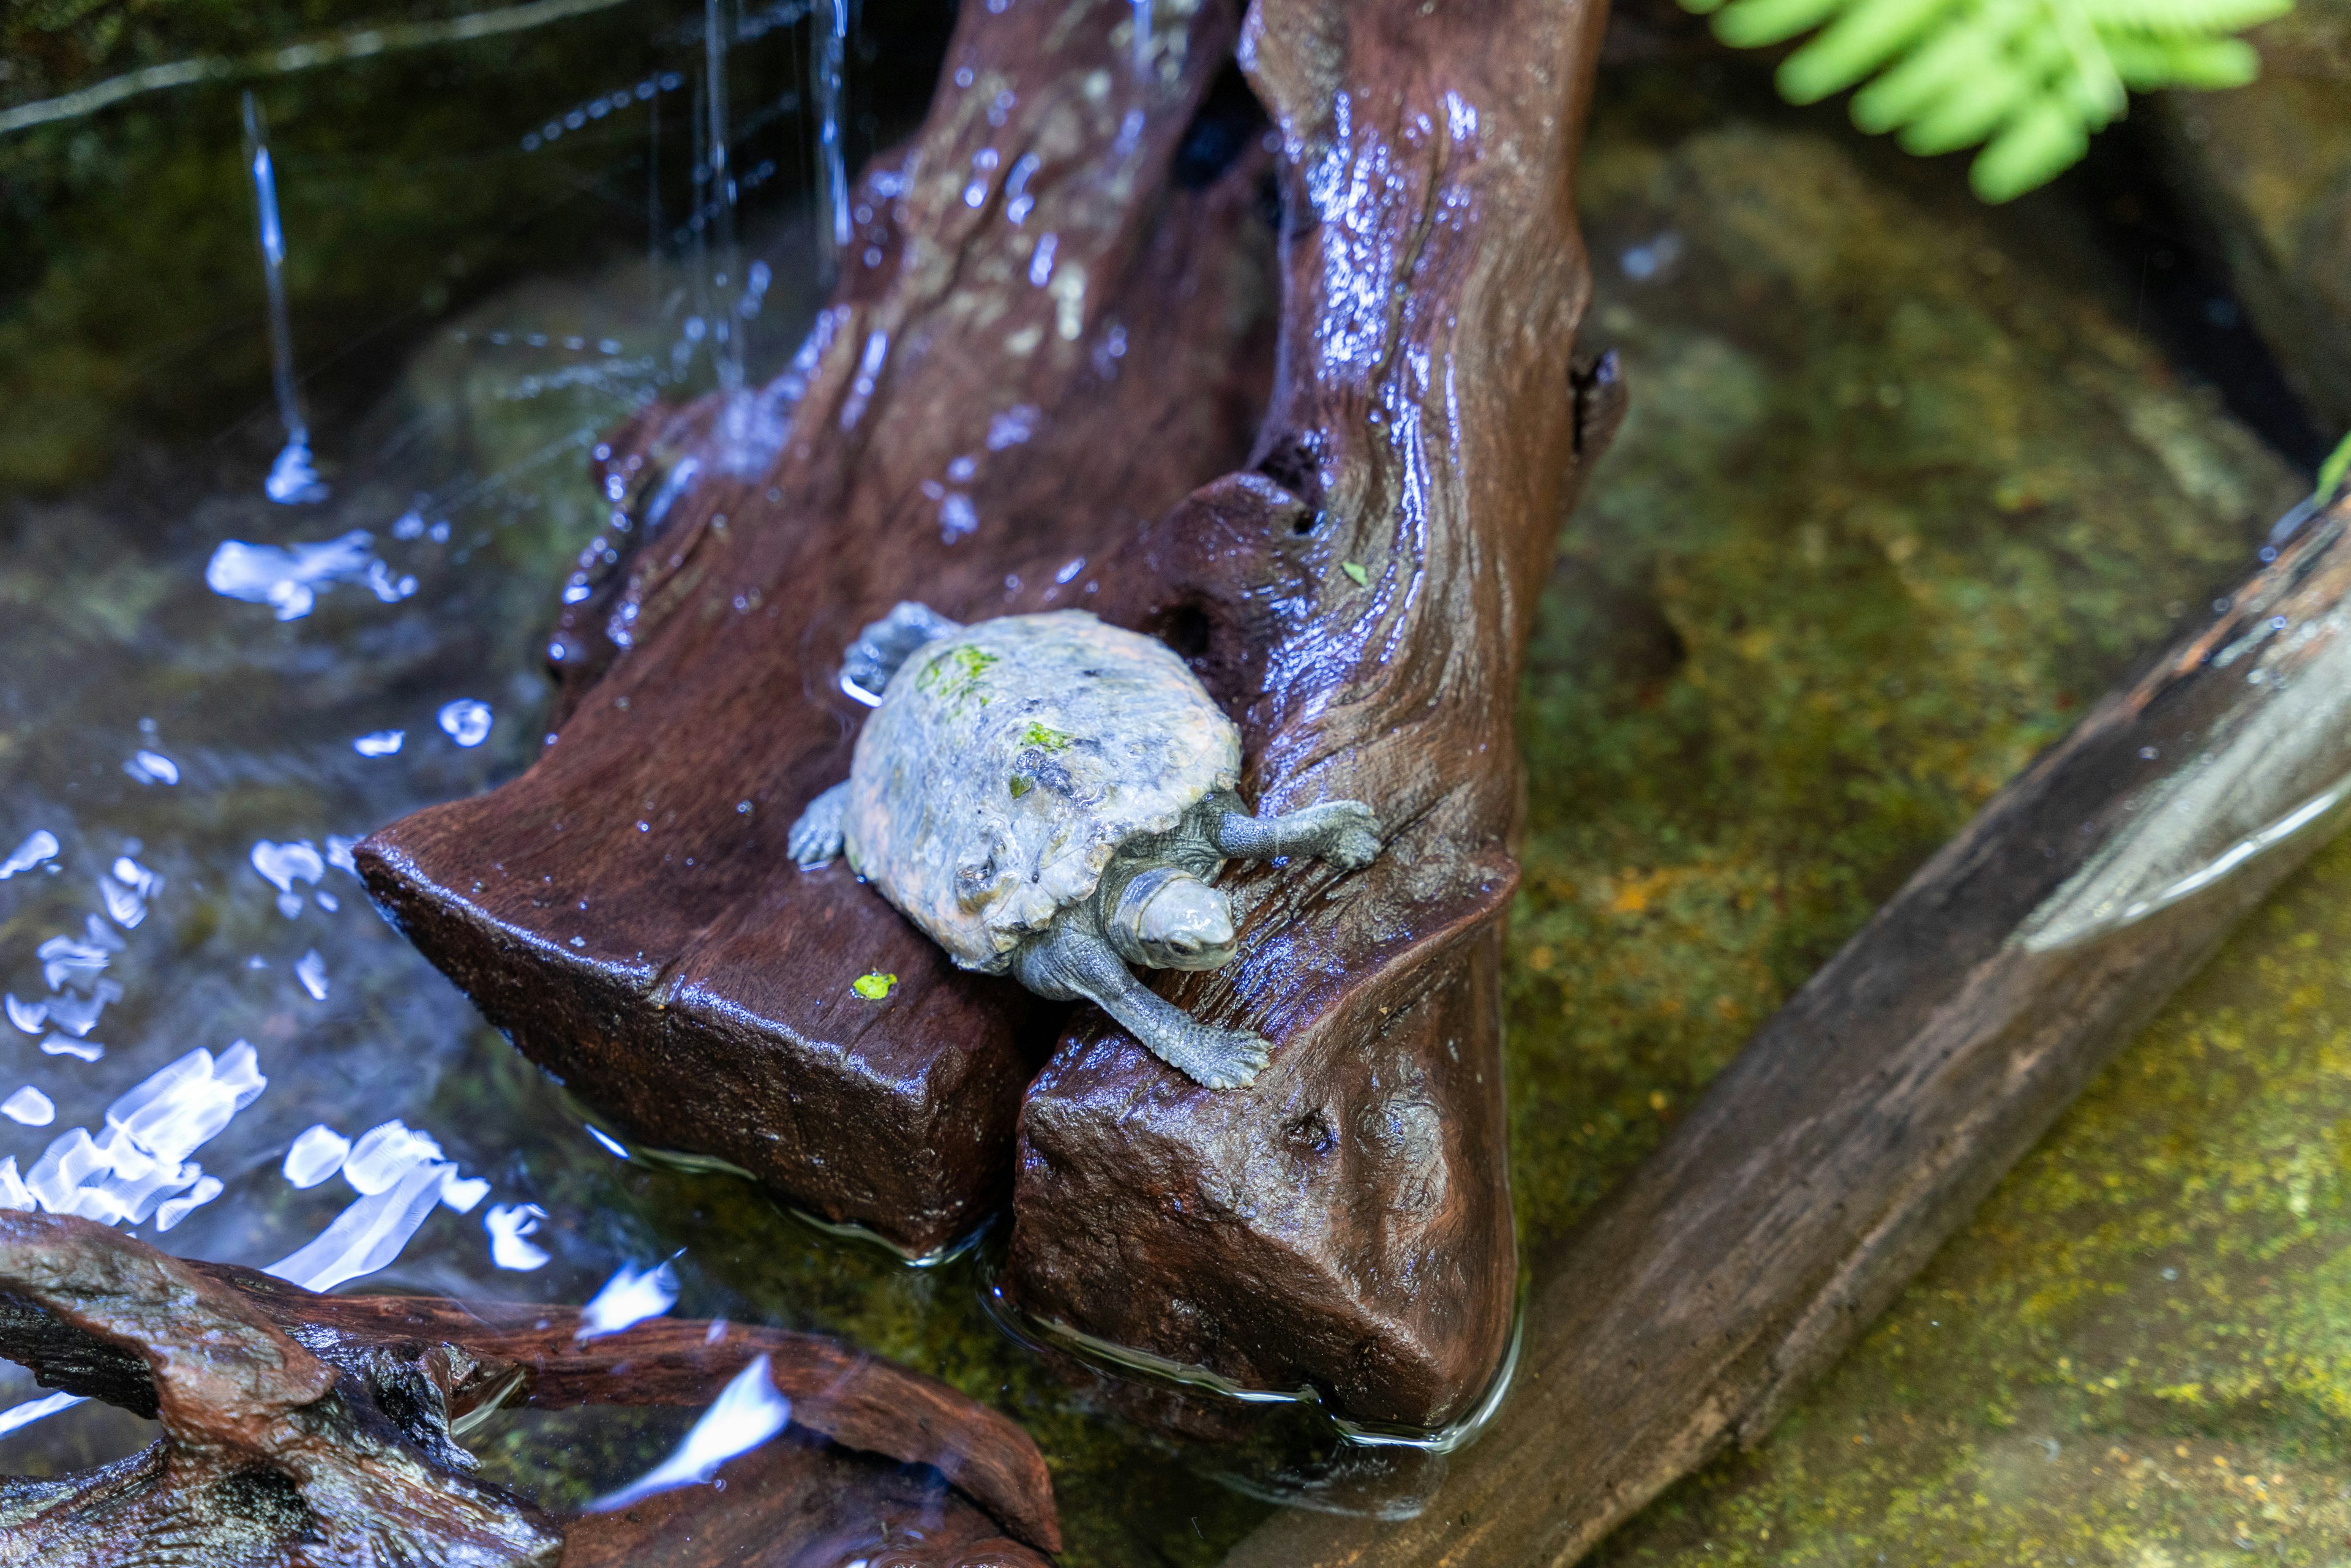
x: 1354, y: 841
x: 817, y: 837
x: 1227, y: 1058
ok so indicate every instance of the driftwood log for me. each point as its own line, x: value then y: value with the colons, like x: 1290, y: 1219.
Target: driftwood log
x: 1057, y: 321
x: 1362, y: 601
x: 1865, y: 1121
x: 998, y: 393
x: 317, y: 1429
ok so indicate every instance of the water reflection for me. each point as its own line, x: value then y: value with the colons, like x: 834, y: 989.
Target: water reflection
x: 746, y: 1413
x: 211, y: 697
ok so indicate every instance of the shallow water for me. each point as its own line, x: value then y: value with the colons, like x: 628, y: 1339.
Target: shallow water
x: 221, y: 668
x: 485, y: 272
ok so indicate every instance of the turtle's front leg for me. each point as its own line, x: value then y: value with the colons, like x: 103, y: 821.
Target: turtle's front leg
x: 1344, y: 832
x: 1070, y: 960
x: 884, y: 645
x: 817, y: 837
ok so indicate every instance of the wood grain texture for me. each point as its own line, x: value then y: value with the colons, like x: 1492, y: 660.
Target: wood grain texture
x: 270, y: 1455
x: 857, y: 1400
x: 348, y: 1401
x: 800, y: 1503
x: 1055, y: 321
x: 1871, y: 1113
x: 1360, y: 601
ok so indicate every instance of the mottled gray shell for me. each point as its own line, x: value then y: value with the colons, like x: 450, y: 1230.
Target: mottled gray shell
x: 1009, y: 761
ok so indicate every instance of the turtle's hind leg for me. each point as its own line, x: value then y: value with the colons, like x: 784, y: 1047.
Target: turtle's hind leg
x: 1068, y: 961
x: 817, y: 837
x: 1344, y: 832
x: 884, y: 644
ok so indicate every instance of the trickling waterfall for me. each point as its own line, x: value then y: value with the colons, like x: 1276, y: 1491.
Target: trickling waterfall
x: 827, y: 61
x: 292, y: 478
x: 726, y: 339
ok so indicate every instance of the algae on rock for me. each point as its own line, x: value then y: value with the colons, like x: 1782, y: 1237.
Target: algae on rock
x: 1895, y: 501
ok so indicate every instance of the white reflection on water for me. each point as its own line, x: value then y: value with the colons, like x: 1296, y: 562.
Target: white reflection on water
x: 629, y: 1297
x: 283, y: 865
x: 370, y: 1233
x: 314, y: 1156
x: 28, y: 1107
x: 507, y: 1224
x: 383, y: 1154
x: 747, y: 1411
x: 466, y: 721
x: 151, y: 768
x: 287, y: 577
x: 39, y: 845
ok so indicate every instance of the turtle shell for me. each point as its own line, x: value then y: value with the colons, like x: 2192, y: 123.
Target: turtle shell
x: 1009, y: 761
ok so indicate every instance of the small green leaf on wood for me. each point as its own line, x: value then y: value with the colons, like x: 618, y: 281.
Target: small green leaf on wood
x: 1354, y: 569
x: 873, y: 986
x: 2333, y: 471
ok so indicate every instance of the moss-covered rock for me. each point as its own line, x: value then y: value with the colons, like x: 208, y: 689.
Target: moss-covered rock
x: 2269, y: 165
x: 1897, y: 499
x: 2140, y: 1350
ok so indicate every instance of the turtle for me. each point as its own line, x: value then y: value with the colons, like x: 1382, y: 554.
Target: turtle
x: 1051, y: 797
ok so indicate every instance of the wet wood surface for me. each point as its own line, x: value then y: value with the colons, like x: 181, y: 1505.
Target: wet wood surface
x: 1054, y: 320
x: 531, y: 1356
x: 1356, y: 589
x: 1360, y: 601
x: 1865, y: 1121
x: 348, y: 1401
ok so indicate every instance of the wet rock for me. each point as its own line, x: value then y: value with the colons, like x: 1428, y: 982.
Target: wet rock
x: 2269, y: 167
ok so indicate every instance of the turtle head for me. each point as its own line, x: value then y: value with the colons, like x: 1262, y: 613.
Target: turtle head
x: 1170, y: 919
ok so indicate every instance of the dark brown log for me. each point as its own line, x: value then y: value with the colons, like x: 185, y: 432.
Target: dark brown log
x: 1868, y: 1117
x: 1360, y: 602
x: 797, y: 1503
x: 348, y: 1400
x: 270, y: 1455
x: 626, y: 911
x: 526, y: 1354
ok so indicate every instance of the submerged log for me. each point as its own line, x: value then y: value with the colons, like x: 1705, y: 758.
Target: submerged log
x: 1052, y: 323
x: 316, y: 1428
x: 1361, y: 602
x: 1865, y: 1121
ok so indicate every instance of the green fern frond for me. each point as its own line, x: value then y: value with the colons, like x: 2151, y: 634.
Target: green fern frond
x: 2027, y: 80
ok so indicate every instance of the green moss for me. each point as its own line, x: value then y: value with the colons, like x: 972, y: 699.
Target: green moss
x: 955, y: 675
x: 1894, y: 502
x: 1045, y: 738
x: 2140, y: 1350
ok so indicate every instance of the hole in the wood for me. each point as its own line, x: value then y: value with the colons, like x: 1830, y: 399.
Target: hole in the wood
x: 1187, y: 631
x: 1294, y: 464
x: 1221, y: 130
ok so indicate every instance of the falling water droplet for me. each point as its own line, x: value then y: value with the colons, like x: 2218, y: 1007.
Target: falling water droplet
x: 293, y: 478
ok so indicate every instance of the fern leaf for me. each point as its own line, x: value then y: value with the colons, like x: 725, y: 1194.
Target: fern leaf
x: 2156, y: 62
x: 1954, y: 54
x: 2030, y: 81
x: 2032, y: 151
x: 1856, y: 44
x: 1753, y: 24
x: 2173, y: 18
